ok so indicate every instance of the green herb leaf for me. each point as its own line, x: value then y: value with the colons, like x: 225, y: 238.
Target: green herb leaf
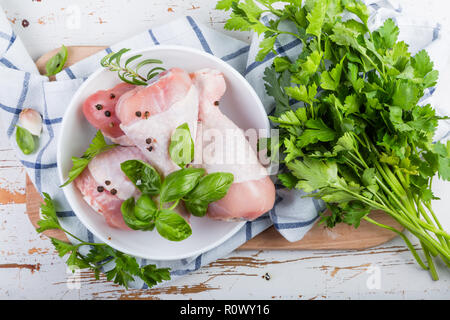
x: 48, y: 212
x: 56, y: 63
x: 179, y: 183
x: 152, y: 275
x: 145, y: 208
x: 330, y: 80
x: 265, y: 46
x: 224, y: 4
x: 172, y: 226
x: 316, y: 131
x: 314, y: 174
x: 406, y: 95
x: 210, y: 188
x: 358, y: 8
x: 197, y: 207
x: 97, y: 146
x: 125, y: 267
x: 143, y: 175
x: 62, y: 247
x: 316, y: 18
x: 126, y: 73
x: 354, y: 212
x: 288, y: 180
x: 25, y: 140
x: 128, y: 209
x: 181, y: 148
x: 386, y: 36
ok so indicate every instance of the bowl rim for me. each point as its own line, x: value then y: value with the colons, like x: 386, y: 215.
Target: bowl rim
x: 67, y: 192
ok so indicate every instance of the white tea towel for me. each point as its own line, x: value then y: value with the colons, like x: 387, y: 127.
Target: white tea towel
x: 21, y: 86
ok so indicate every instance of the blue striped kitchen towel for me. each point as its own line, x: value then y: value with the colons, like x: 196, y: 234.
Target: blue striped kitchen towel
x: 21, y: 86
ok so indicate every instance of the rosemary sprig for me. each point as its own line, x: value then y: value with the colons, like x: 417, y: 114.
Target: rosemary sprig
x: 125, y: 72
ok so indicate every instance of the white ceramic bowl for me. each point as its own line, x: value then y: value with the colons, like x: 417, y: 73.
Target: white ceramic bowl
x: 240, y: 103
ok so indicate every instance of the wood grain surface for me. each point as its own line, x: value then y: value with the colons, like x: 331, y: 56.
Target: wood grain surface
x: 30, y: 268
x: 319, y: 237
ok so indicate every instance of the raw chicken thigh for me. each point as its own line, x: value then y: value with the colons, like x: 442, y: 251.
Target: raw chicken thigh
x: 252, y: 192
x: 104, y: 186
x: 149, y: 115
x: 99, y: 110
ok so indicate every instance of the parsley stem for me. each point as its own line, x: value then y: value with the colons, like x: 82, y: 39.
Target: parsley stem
x: 422, y: 235
x: 405, y: 239
x: 430, y: 262
x: 442, y: 240
x: 428, y: 206
x: 82, y: 242
x: 70, y: 234
x: 355, y: 165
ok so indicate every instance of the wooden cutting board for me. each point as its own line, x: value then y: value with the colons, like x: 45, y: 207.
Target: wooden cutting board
x: 341, y: 237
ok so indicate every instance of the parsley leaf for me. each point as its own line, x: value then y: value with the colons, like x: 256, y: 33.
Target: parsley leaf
x: 97, y: 146
x: 125, y: 268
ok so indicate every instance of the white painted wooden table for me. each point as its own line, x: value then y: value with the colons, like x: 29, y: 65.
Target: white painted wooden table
x: 29, y: 267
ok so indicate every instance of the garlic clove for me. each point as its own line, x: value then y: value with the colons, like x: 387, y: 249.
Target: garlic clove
x: 31, y: 120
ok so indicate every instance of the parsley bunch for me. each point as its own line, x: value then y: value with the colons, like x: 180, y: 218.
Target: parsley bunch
x: 350, y: 122
x: 125, y: 268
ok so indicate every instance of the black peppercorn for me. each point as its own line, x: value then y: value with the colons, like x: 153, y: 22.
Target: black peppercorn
x: 108, y: 113
x: 138, y: 114
x: 112, y: 96
x: 98, y: 106
x: 107, y: 182
x: 148, y: 140
x: 100, y: 189
x: 150, y: 149
x: 216, y: 103
x: 113, y: 191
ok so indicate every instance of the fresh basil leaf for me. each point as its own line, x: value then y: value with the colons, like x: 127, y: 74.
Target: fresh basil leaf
x: 197, y: 207
x: 172, y: 226
x: 56, y: 63
x: 179, y: 183
x: 211, y: 187
x: 128, y: 213
x: 97, y: 146
x: 25, y: 140
x: 143, y: 175
x: 145, y: 208
x: 181, y: 147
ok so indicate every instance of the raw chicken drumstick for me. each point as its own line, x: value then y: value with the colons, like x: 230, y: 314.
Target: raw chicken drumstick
x: 104, y: 186
x: 149, y: 115
x: 99, y: 110
x: 252, y: 192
